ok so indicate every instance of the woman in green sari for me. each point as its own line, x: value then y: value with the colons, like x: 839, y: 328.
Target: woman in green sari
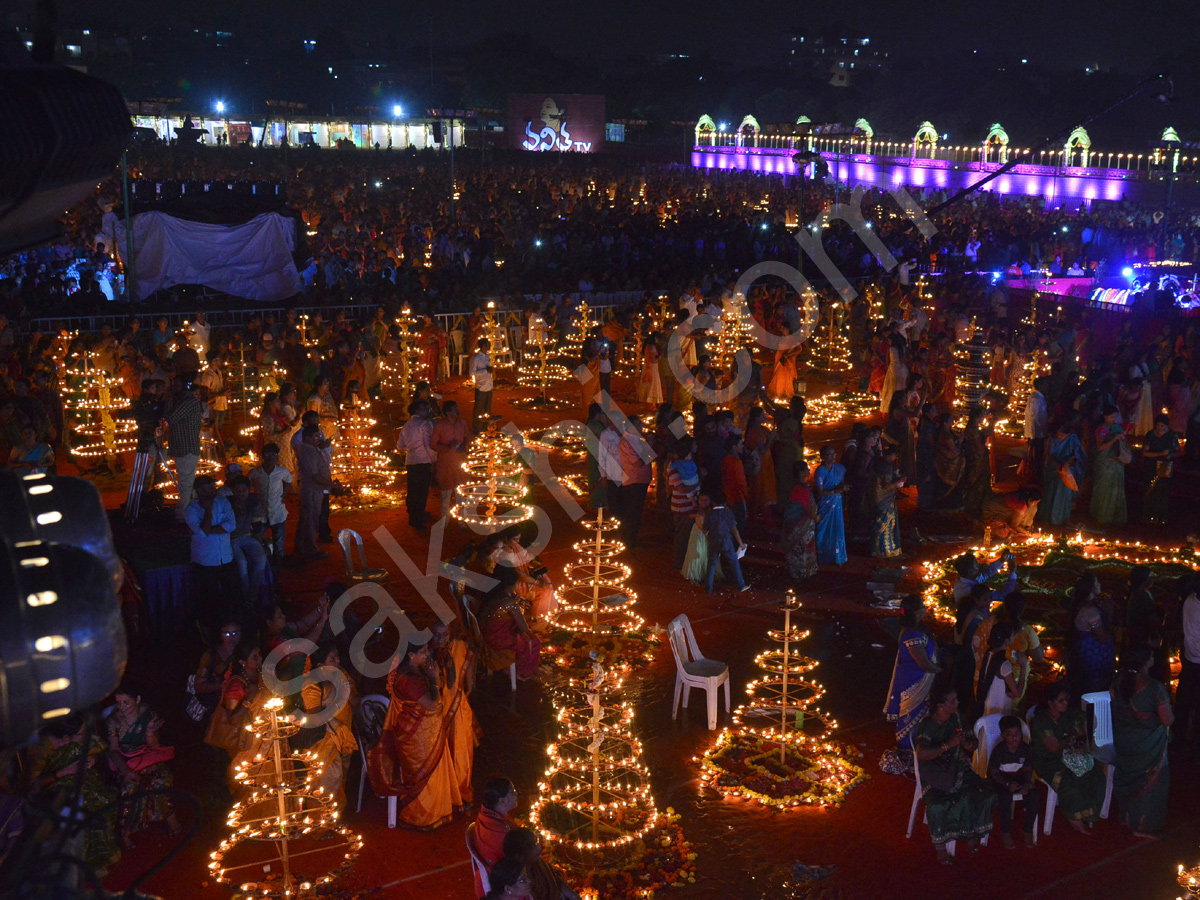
x: 1108, y: 472
x: 958, y: 803
x: 1141, y: 721
x: 56, y: 762
x: 140, y: 763
x: 1061, y: 759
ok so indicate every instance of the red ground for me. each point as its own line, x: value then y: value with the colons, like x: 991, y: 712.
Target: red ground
x: 744, y: 850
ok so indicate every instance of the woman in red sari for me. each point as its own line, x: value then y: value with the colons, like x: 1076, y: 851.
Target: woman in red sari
x: 412, y: 760
x: 506, y: 635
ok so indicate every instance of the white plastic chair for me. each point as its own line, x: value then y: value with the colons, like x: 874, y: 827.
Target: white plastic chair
x: 357, y: 572
x: 693, y: 669
x: 478, y: 866
x: 1102, y: 740
x: 457, y: 338
x: 469, y: 617
x: 987, y: 732
x: 372, y: 708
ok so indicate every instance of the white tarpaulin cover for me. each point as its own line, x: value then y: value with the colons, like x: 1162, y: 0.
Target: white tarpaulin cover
x: 252, y: 260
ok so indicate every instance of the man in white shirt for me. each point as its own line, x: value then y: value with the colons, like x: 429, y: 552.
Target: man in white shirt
x: 416, y: 439
x: 972, y: 251
x: 1187, y: 694
x: 269, y: 480
x: 481, y: 376
x: 1035, y: 425
x: 213, y: 380
x: 199, y: 335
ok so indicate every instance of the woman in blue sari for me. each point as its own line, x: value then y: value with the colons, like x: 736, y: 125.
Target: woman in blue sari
x: 1108, y: 472
x: 1064, y: 470
x: 1093, y: 653
x: 1141, y: 722
x: 830, y: 482
x: 913, y: 674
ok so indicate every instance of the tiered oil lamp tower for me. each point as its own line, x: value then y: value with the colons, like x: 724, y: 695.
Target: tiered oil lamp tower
x: 285, y: 809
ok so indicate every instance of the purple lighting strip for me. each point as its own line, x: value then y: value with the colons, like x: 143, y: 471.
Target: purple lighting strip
x: 1070, y: 183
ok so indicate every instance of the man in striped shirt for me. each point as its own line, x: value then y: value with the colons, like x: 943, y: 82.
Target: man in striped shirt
x: 683, y: 478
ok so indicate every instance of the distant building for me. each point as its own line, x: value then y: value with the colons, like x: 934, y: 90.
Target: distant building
x: 840, y: 58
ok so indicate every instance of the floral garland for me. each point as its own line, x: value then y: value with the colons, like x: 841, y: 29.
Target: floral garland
x: 624, y: 651
x: 813, y: 771
x: 662, y: 859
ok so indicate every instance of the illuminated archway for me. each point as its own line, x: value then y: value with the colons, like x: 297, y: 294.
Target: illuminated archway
x: 1169, y: 136
x: 1078, y: 143
x: 996, y: 143
x: 926, y: 138
x: 808, y: 135
x: 748, y: 129
x: 864, y: 128
x: 705, y: 129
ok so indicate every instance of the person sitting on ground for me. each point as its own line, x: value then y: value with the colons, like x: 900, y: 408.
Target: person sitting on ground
x: 1010, y: 515
x: 1010, y: 768
x: 533, y: 581
x: 958, y: 803
x: 492, y: 824
x: 140, y: 761
x: 1061, y: 759
x: 545, y: 882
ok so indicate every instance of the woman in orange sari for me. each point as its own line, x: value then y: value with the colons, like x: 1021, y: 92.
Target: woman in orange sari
x: 432, y: 342
x: 449, y: 441
x: 456, y: 663
x: 533, y: 583
x: 412, y: 760
x: 506, y: 635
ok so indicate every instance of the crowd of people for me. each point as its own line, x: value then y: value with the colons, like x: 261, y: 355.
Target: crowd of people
x: 1080, y: 396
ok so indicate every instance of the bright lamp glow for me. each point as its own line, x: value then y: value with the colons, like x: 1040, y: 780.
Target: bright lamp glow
x: 1127, y: 272
x: 397, y: 111
x: 220, y: 106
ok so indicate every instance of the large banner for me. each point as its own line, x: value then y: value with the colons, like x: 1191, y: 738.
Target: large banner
x: 252, y: 260
x: 556, y: 122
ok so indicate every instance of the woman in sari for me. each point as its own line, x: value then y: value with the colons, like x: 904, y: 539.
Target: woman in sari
x: 977, y: 474
x: 449, y: 441
x: 1092, y: 648
x: 761, y: 484
x: 1160, y: 449
x: 242, y: 698
x: 31, y: 456
x: 506, y: 635
x: 1108, y: 472
x: 898, y: 433
x: 950, y: 465
x: 782, y: 386
x: 140, y: 763
x: 859, y: 514
x: 456, y: 668
x: 799, y: 531
x: 830, y: 482
x: 1141, y: 723
x: 958, y: 803
x: 1061, y: 759
x: 927, y: 480
x: 650, y: 384
x: 432, y: 343
x: 56, y: 760
x: 334, y: 742
x: 1063, y: 473
x: 534, y: 588
x: 913, y: 673
x: 886, y: 482
x: 321, y: 401
x: 412, y: 760
x: 897, y: 373
x: 788, y: 451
